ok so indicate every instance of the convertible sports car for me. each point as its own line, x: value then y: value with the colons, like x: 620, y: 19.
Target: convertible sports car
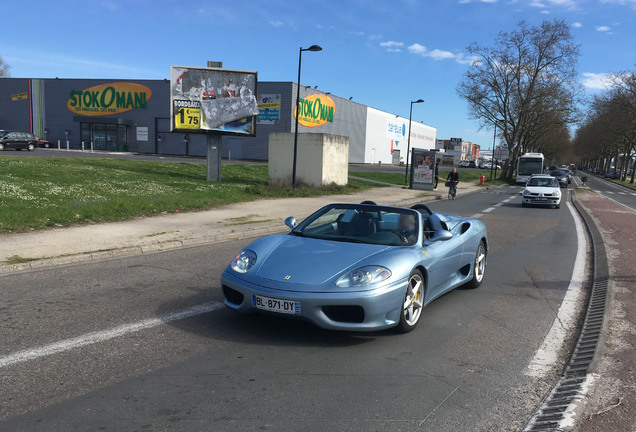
x: 358, y: 266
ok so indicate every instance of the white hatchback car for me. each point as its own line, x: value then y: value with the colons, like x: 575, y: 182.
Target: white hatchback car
x: 542, y: 190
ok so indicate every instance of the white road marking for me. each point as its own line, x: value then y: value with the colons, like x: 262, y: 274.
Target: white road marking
x: 547, y: 355
x: 488, y: 210
x: 610, y: 192
x: 101, y: 336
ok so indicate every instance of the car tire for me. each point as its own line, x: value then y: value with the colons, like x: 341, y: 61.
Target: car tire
x: 479, y: 266
x: 1, y: 146
x: 31, y: 147
x: 411, y: 309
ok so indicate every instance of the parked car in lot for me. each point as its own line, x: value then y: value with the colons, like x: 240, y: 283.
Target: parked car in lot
x: 18, y: 140
x: 463, y: 164
x: 359, y: 267
x: 612, y: 173
x: 561, y: 177
x: 542, y: 190
x: 44, y: 142
x: 489, y: 165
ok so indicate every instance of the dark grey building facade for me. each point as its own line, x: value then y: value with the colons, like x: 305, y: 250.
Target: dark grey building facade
x: 134, y: 115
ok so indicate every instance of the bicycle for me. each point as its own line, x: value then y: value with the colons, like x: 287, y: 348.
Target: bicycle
x: 452, y: 189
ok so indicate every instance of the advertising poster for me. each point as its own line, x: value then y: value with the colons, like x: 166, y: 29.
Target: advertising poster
x: 213, y: 100
x: 422, y: 169
x: 268, y: 109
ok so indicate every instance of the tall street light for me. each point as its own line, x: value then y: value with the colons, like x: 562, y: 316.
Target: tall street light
x: 492, y: 157
x: 408, y: 140
x: 300, y: 55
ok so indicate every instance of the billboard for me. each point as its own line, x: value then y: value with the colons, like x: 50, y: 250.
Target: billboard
x: 423, y: 164
x: 204, y: 100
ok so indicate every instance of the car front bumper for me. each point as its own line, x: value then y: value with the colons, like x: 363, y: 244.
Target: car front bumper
x: 358, y: 311
x: 543, y: 201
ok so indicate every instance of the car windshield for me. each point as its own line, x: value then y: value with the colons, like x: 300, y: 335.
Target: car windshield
x: 362, y: 224
x: 542, y: 182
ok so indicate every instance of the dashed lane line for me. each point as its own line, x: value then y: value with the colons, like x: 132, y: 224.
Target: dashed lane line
x: 101, y: 336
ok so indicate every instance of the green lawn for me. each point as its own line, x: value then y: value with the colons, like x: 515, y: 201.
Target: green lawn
x: 45, y: 192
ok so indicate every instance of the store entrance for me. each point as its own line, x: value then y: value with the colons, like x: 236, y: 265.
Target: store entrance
x: 105, y: 136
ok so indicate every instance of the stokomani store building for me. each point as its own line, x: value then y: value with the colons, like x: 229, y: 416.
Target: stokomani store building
x: 134, y: 116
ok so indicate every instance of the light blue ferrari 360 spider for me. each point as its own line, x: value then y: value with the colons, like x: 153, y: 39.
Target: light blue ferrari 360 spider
x: 358, y: 266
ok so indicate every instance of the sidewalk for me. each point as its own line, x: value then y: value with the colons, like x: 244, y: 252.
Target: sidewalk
x: 611, y: 400
x: 57, y: 246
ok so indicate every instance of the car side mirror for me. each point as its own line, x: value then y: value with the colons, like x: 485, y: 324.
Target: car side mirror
x: 440, y: 235
x: 291, y: 222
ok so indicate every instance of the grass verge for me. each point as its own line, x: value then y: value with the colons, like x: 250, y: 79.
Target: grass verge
x: 48, y: 192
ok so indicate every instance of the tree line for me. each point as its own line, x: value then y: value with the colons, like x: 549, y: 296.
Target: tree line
x: 607, y: 137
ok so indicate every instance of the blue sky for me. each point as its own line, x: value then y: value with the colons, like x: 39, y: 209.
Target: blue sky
x: 382, y: 53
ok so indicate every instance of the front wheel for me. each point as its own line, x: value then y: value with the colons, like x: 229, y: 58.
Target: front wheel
x: 413, y: 302
x: 479, y: 266
x: 31, y: 147
x: 1, y: 146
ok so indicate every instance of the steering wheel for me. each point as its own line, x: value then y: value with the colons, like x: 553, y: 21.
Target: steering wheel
x: 420, y: 207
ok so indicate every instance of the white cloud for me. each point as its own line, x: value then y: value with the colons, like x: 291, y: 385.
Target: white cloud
x: 392, y: 46
x: 577, y: 25
x: 597, y: 81
x: 277, y: 24
x: 417, y: 49
x: 441, y: 55
x: 603, y: 28
x: 631, y: 3
x: 438, y: 54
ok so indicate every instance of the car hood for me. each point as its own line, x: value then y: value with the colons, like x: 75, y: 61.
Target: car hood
x: 542, y: 190
x: 306, y: 261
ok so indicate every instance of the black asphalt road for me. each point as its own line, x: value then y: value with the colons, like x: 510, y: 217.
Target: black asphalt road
x: 461, y: 369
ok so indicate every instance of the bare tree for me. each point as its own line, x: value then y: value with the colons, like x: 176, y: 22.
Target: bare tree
x: 4, y: 68
x: 524, y: 83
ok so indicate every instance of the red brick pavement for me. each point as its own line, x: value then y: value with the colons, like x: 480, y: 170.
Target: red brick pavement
x: 612, y: 399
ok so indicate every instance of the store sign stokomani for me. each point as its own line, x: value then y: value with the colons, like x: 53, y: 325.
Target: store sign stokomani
x: 315, y: 110
x: 109, y: 99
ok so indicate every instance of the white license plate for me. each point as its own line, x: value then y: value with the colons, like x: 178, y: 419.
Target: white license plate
x: 275, y: 305
x: 540, y: 199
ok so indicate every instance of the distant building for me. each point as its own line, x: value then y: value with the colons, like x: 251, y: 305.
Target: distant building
x: 466, y: 151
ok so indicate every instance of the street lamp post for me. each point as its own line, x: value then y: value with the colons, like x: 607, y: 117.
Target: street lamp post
x: 300, y: 55
x: 408, y: 140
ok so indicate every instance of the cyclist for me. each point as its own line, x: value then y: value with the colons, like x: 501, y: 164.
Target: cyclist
x: 451, y: 182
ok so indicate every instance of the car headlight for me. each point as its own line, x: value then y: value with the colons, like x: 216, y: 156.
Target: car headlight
x: 244, y: 261
x: 526, y: 192
x: 364, y: 276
